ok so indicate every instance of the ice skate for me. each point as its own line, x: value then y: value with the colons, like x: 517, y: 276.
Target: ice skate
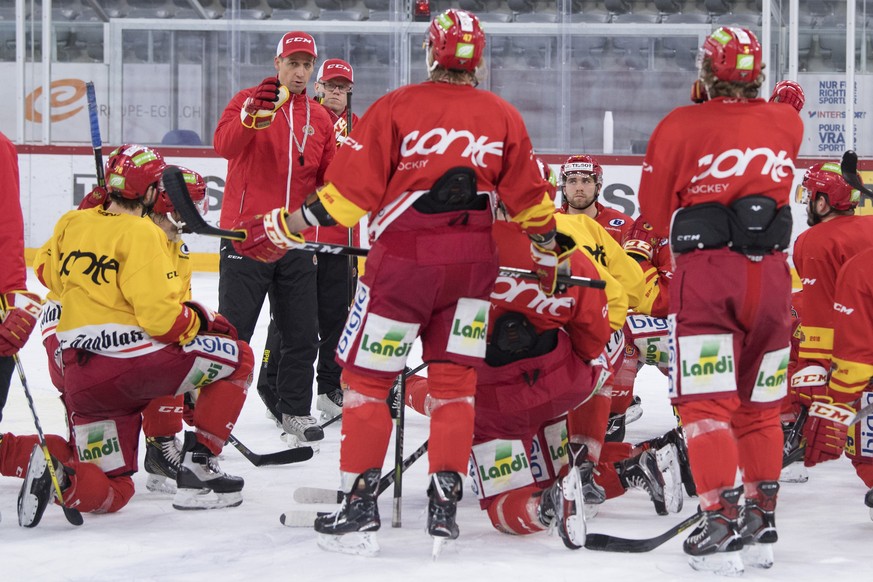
x: 445, y: 491
x: 200, y: 482
x: 758, y: 526
x: 37, y: 491
x: 352, y: 528
x: 715, y: 544
x: 330, y: 405
x: 162, y: 458
x: 562, y: 505
x: 676, y: 437
x: 301, y: 431
x: 668, y: 463
x: 643, y: 472
x: 634, y: 411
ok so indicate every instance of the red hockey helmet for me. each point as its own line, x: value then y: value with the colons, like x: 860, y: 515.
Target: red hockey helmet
x: 735, y: 54
x: 457, y: 40
x: 131, y: 169
x: 827, y: 179
x: 196, y: 189
x: 582, y: 165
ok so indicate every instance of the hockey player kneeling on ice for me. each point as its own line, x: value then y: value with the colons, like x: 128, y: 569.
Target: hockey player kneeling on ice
x: 729, y: 342
x: 126, y: 338
x: 432, y: 265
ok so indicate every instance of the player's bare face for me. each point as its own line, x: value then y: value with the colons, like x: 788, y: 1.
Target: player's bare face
x: 295, y: 70
x: 580, y: 190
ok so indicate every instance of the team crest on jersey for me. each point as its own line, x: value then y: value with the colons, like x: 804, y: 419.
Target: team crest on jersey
x: 385, y: 343
x: 469, y: 328
x: 771, y: 380
x: 617, y: 222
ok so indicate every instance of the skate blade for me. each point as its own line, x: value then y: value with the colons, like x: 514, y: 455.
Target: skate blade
x: 439, y: 544
x: 721, y: 563
x: 160, y: 484
x: 794, y: 473
x: 29, y: 511
x: 633, y: 414
x: 576, y: 528
x: 187, y: 499
x: 669, y: 467
x: 356, y: 543
x: 758, y: 555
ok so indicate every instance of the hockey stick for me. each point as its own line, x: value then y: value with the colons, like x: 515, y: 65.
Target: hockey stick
x: 96, y: 143
x: 352, y: 261
x: 849, y: 167
x: 285, y: 457
x: 400, y: 404
x: 72, y: 515
x: 608, y: 543
x: 324, y: 495
x: 174, y: 184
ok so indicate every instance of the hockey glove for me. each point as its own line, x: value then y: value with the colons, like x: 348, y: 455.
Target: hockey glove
x: 212, y: 321
x: 827, y: 428
x: 267, y: 237
x: 549, y: 263
x: 20, y: 310
x: 788, y: 92
x: 260, y: 108
x: 698, y: 92
x: 641, y: 242
x: 807, y: 384
x: 97, y: 197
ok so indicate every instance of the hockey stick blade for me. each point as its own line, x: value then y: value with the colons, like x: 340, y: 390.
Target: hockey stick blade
x: 299, y: 518
x: 285, y: 457
x: 849, y: 167
x: 174, y: 184
x: 608, y: 543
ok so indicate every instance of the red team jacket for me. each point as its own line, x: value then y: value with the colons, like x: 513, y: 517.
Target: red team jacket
x: 853, y: 334
x: 692, y: 160
x: 13, y: 275
x: 259, y: 160
x: 408, y: 139
x: 819, y: 253
x: 581, y: 311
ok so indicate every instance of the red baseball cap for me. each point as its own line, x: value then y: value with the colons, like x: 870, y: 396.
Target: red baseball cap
x: 335, y: 69
x: 296, y: 42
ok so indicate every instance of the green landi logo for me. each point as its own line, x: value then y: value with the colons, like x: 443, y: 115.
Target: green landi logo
x: 392, y: 345
x: 475, y: 330
x: 504, y: 463
x: 561, y: 451
x: 776, y: 379
x: 709, y: 364
x: 97, y: 447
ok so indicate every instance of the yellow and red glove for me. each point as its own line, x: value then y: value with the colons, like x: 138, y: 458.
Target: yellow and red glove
x: 827, y: 428
x: 97, y: 197
x: 260, y: 108
x: 267, y: 237
x: 20, y: 310
x: 549, y: 263
x: 212, y: 321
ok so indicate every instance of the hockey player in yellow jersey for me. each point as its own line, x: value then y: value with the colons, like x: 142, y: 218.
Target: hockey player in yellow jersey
x: 126, y: 337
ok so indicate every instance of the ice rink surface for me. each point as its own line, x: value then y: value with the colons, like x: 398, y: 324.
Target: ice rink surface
x: 824, y: 528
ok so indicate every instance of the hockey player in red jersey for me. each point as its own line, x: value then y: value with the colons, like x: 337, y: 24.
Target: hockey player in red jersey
x: 722, y: 172
x: 424, y: 162
x: 543, y: 358
x: 581, y: 182
x: 126, y: 337
x: 851, y: 374
x: 835, y: 236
